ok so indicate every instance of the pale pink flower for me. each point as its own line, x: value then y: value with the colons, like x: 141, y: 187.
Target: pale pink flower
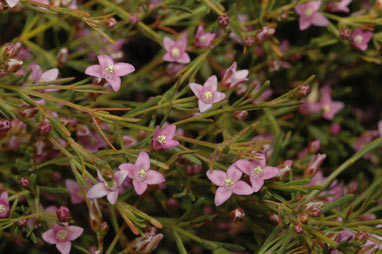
x: 4, y: 205
x: 37, y: 75
x: 339, y: 6
x: 232, y: 77
x: 202, y: 38
x: 62, y: 236
x: 330, y: 108
x: 141, y: 173
x: 128, y: 141
x: 12, y: 3
x: 360, y: 39
x: 257, y: 171
x: 93, y: 142
x: 229, y: 183
x: 176, y: 50
x: 207, y: 94
x: 164, y: 139
x: 103, y: 188
x: 110, y: 71
x: 309, y: 15
x: 75, y: 192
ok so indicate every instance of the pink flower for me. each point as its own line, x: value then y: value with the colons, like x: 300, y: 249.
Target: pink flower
x: 331, y: 108
x: 141, y: 173
x: 62, y: 236
x: 207, y: 94
x: 257, y: 171
x: 309, y: 15
x: 4, y: 205
x: 380, y: 128
x: 340, y: 6
x: 228, y: 182
x: 110, y: 71
x: 12, y: 3
x: 92, y: 141
x: 176, y: 50
x: 103, y: 188
x: 232, y: 77
x: 203, y: 39
x: 163, y: 139
x: 360, y: 39
x: 314, y: 165
x: 76, y: 196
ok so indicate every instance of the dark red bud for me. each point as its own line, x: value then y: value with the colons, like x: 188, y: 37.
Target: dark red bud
x: 5, y: 124
x: 104, y: 227
x: 298, y: 228
x: 22, y: 223
x: 345, y: 33
x: 361, y: 236
x: 45, y: 127
x: 172, y: 204
x: 63, y: 214
x: 28, y: 111
x: 223, y: 20
x: 13, y: 65
x: 111, y: 23
x: 24, y: 182
x: 62, y: 56
x: 303, y: 217
x: 237, y: 214
x: 240, y: 115
x: 314, y: 146
x: 335, y: 129
x: 133, y: 19
x: 302, y: 91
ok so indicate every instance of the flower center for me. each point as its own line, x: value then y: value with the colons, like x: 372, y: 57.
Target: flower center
x: 175, y: 52
x: 358, y: 39
x: 162, y: 139
x: 141, y: 175
x: 308, y: 12
x: 61, y: 235
x: 229, y: 184
x: 257, y: 172
x: 2, y: 208
x: 326, y: 108
x: 207, y: 95
x: 203, y: 39
x: 110, y: 69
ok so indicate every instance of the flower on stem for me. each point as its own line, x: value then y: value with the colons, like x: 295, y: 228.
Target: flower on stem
x: 75, y: 192
x: 339, y: 6
x: 62, y: 236
x: 141, y: 174
x: 360, y: 39
x: 207, y: 94
x: 232, y: 77
x: 145, y: 244
x: 110, y: 190
x: 229, y: 183
x: 330, y: 108
x: 202, y: 38
x: 176, y: 50
x: 309, y: 15
x: 163, y: 139
x: 257, y: 171
x: 110, y: 71
x: 4, y: 205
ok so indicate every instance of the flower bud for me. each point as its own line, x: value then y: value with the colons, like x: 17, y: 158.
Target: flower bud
x: 345, y: 33
x: 298, y: 228
x: 63, y: 214
x: 223, y: 20
x: 11, y: 49
x: 361, y: 236
x: 107, y: 174
x: 39, y: 146
x: 82, y: 130
x: 264, y: 33
x: 144, y: 244
x: 314, y: 146
x: 314, y: 165
x: 240, y: 89
x: 240, y: 115
x: 302, y: 91
x: 22, y: 223
x: 172, y: 204
x: 27, y: 111
x: 95, y: 215
x: 284, y: 169
x: 104, y: 227
x: 249, y: 40
x: 314, y: 208
x: 56, y: 176
x: 303, y: 217
x: 5, y: 124
x: 111, y: 23
x: 24, y: 182
x: 62, y: 56
x: 193, y: 169
x: 237, y: 214
x: 335, y: 129
x: 13, y: 65
x: 44, y: 127
x: 133, y: 18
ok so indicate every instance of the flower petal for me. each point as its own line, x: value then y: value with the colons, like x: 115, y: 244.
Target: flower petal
x: 154, y: 177
x: 120, y: 176
x: 184, y: 58
x: 196, y: 89
x: 222, y: 195
x: 97, y: 191
x: 244, y: 166
x: 242, y: 188
x: 168, y: 43
x: 112, y: 197
x: 12, y: 3
x: 143, y: 161
x: 211, y: 83
x: 94, y: 70
x: 203, y: 106
x: 64, y: 247
x: 139, y: 187
x: 129, y: 167
x: 49, y: 236
x: 218, y: 96
x: 105, y: 60
x: 169, y: 131
x: 256, y: 183
x: 234, y: 173
x: 319, y: 19
x: 217, y: 176
x: 74, y: 232
x: 270, y: 172
x: 115, y: 82
x: 122, y: 69
x: 168, y: 57
x: 49, y: 75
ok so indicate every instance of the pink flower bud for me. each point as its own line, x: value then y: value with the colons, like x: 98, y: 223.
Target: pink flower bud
x: 22, y: 223
x: 345, y: 33
x: 82, y: 130
x: 5, y: 124
x: 264, y: 33
x: 145, y: 244
x: 134, y: 18
x: 104, y: 227
x: 56, y: 176
x: 249, y: 40
x: 313, y: 208
x: 314, y: 165
x: 298, y: 228
x: 63, y: 214
x: 111, y: 23
x: 302, y: 91
x: 24, y: 182
x: 11, y: 49
x: 62, y: 56
x: 284, y: 169
x: 361, y: 236
x: 303, y: 217
x: 314, y: 146
x: 13, y: 65
x: 223, y: 20
x: 240, y: 115
x: 95, y: 215
x: 237, y: 214
x: 44, y: 127
x: 172, y: 204
x: 27, y: 111
x: 335, y: 129
x: 193, y: 169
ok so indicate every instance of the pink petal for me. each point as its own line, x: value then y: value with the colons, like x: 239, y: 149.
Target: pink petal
x: 122, y: 69
x: 71, y: 185
x: 74, y: 232
x: 4, y: 198
x: 270, y: 172
x: 143, y: 161
x: 242, y: 188
x: 203, y: 106
x: 380, y: 128
x: 184, y: 59
x: 130, y: 168
x: 200, y: 31
x: 112, y: 197
x: 304, y: 23
x: 168, y: 58
x: 115, y: 82
x: 245, y: 166
x: 256, y: 183
x: 168, y: 43
x: 154, y: 177
x: 64, y: 247
x: 49, y: 75
x: 97, y: 191
x: 182, y: 43
x: 139, y: 187
x: 169, y: 131
x: 217, y: 177
x: 94, y: 70
x: 12, y: 3
x: 196, y: 89
x: 218, y: 96
x: 234, y: 173
x: 49, y: 236
x: 105, y: 60
x: 319, y: 19
x: 171, y: 143
x: 211, y: 83
x: 242, y: 74
x: 222, y: 195
x: 120, y: 176
x: 261, y: 162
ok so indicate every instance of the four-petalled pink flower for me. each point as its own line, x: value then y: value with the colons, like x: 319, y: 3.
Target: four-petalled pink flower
x: 309, y: 15
x: 360, y: 39
x: 163, y: 139
x: 141, y: 174
x: 202, y: 38
x: 340, y: 6
x: 207, y: 94
x: 62, y: 236
x: 229, y: 183
x: 110, y: 190
x: 232, y: 77
x: 110, y: 71
x: 330, y: 108
x: 4, y: 205
x: 257, y: 171
x: 176, y: 50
